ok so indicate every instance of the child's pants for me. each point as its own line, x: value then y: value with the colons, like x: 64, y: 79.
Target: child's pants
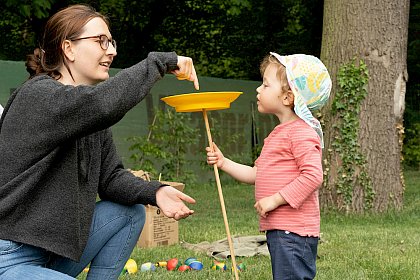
x: 293, y: 257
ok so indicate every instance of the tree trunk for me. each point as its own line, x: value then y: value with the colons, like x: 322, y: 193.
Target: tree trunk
x: 376, y: 32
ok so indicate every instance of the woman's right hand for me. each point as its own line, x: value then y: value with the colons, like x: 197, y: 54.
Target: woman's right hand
x: 215, y: 156
x: 186, y: 71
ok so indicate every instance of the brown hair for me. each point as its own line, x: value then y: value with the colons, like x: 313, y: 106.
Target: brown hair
x: 281, y: 70
x: 67, y: 24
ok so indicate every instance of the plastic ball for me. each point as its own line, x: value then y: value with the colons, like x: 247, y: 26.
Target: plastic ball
x: 148, y: 267
x: 196, y: 265
x: 161, y: 264
x: 240, y: 267
x: 173, y: 264
x: 184, y: 267
x: 131, y: 266
x: 219, y: 266
x: 189, y: 260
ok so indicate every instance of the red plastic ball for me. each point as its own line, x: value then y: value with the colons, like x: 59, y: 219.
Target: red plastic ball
x: 173, y: 264
x: 184, y: 267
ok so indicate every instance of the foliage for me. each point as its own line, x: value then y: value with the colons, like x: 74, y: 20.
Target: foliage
x: 17, y: 21
x: 413, y: 58
x: 208, y: 34
x: 411, y: 146
x: 411, y: 151
x: 411, y: 142
x: 226, y: 39
x: 32, y: 8
x: 352, y: 81
x: 164, y: 149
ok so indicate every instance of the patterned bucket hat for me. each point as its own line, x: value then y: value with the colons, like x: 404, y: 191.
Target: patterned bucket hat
x: 310, y: 83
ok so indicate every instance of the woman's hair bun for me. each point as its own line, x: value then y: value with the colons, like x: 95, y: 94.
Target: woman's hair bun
x: 33, y: 63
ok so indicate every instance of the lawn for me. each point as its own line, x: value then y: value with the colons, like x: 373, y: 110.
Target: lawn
x: 352, y: 247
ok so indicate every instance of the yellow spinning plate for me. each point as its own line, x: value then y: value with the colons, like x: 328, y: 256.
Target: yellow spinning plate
x: 195, y: 102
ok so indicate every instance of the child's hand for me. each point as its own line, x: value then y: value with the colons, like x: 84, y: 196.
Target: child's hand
x: 269, y: 203
x: 215, y: 157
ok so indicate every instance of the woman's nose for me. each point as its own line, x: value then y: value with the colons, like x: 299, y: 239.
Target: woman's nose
x: 111, y: 50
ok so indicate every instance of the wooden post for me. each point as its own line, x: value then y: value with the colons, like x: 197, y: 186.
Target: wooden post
x: 222, y: 202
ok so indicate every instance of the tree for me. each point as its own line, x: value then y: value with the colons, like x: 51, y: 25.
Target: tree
x: 365, y: 40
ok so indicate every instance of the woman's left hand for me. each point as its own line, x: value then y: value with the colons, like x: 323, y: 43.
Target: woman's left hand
x: 186, y: 71
x: 171, y: 202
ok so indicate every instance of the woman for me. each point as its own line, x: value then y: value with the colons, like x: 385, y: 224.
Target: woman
x: 58, y: 155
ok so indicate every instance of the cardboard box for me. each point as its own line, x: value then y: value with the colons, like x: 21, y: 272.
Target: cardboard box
x: 158, y: 230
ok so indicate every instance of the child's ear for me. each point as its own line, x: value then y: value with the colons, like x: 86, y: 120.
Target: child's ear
x: 288, y: 98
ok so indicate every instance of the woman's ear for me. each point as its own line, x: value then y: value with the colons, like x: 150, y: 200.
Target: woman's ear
x: 67, y: 47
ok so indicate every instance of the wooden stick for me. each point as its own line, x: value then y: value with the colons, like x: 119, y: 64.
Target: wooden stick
x: 222, y: 202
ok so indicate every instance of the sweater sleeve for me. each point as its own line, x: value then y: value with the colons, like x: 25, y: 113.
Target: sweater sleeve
x: 120, y: 185
x: 49, y: 113
x: 306, y: 149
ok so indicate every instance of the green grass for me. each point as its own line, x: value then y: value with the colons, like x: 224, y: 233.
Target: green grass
x: 352, y: 247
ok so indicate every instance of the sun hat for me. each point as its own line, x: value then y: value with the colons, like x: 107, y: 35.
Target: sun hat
x: 310, y: 83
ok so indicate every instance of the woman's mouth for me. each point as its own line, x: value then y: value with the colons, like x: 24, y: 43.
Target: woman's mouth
x: 106, y: 64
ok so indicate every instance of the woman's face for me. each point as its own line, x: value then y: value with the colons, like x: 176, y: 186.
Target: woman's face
x: 91, y: 62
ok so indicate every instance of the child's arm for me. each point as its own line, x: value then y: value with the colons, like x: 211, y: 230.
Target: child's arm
x: 240, y: 172
x: 269, y: 203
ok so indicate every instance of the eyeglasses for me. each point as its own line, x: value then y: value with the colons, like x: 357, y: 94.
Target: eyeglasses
x: 103, y: 41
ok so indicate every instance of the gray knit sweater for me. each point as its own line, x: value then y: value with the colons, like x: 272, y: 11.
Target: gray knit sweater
x: 57, y: 154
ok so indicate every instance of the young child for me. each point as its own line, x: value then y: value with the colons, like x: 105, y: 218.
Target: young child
x: 288, y: 172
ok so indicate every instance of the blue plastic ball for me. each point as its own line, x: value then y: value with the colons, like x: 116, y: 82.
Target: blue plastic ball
x: 148, y: 267
x: 196, y: 265
x: 189, y: 260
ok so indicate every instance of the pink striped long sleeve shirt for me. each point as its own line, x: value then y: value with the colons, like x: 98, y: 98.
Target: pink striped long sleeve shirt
x: 290, y: 163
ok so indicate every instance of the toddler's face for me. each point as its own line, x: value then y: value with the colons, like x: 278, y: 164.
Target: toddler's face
x: 269, y: 97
